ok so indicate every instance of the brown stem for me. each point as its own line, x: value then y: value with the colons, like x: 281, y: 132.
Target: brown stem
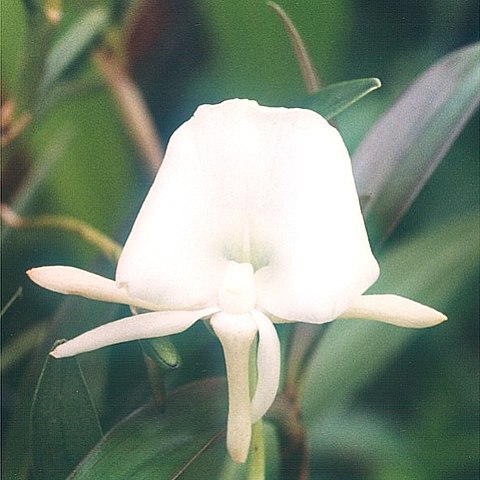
x: 286, y: 415
x: 310, y: 76
x: 305, y: 339
x: 109, y: 247
x: 133, y: 108
x: 157, y: 385
x: 285, y: 411
x: 15, y: 128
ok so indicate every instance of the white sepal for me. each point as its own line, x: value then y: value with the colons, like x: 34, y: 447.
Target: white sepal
x: 394, y: 309
x: 74, y: 281
x: 146, y: 325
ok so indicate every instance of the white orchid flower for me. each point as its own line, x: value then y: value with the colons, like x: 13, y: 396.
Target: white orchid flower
x: 252, y: 219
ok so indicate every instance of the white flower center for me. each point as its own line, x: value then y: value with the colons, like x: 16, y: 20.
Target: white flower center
x: 237, y: 294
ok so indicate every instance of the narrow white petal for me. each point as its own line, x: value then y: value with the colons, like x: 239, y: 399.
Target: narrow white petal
x: 236, y: 334
x: 74, y: 281
x: 146, y: 325
x: 394, y: 309
x: 268, y: 366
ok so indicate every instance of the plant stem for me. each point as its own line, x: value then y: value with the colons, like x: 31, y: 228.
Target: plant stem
x: 256, y: 458
x: 157, y: 384
x: 105, y: 244
x: 285, y: 414
x: 133, y: 108
x: 310, y: 76
x: 303, y: 344
x: 256, y: 464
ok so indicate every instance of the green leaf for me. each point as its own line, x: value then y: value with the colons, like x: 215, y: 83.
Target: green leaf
x: 13, y: 38
x: 431, y: 269
x: 75, y: 41
x: 21, y: 345
x: 11, y: 301
x: 334, y: 99
x: 38, y: 36
x: 74, y: 316
x: 148, y: 444
x: 403, y: 149
x: 67, y: 90
x: 257, y: 61
x: 364, y: 436
x: 65, y: 425
x: 81, y: 185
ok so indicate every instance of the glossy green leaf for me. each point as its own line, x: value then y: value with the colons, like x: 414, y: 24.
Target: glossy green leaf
x: 334, y: 99
x: 65, y: 425
x: 406, y: 145
x: 149, y: 444
x: 431, y: 269
x: 75, y: 41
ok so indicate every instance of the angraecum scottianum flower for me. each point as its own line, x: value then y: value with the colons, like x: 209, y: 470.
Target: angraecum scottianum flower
x: 253, y: 219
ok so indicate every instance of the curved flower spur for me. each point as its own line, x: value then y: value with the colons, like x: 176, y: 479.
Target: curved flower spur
x: 252, y: 219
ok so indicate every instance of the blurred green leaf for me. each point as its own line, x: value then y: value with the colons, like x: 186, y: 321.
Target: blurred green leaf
x: 27, y: 195
x: 65, y: 425
x: 334, y: 99
x: 13, y: 37
x: 253, y: 57
x: 66, y: 90
x: 72, y: 44
x: 22, y: 344
x: 94, y: 181
x: 148, y: 444
x: 430, y: 268
x: 11, y: 301
x: 443, y: 425
x: 38, y: 38
x: 403, y: 149
x: 363, y: 436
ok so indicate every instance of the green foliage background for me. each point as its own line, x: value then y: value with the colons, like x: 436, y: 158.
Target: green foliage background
x: 414, y: 414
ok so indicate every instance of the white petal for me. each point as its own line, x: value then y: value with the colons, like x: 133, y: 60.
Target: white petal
x: 268, y: 186
x: 268, y: 366
x: 74, y: 281
x: 394, y: 309
x: 307, y: 227
x: 146, y: 325
x: 236, y: 334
